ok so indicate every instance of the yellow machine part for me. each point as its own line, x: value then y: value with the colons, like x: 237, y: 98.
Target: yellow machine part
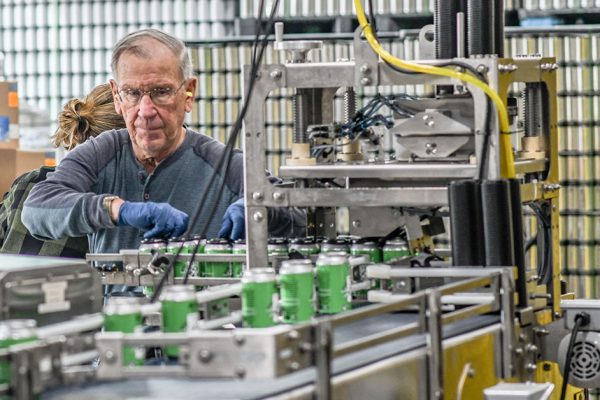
x: 469, y: 368
x: 548, y: 371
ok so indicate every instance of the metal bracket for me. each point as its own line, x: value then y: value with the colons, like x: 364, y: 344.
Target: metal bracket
x: 366, y: 67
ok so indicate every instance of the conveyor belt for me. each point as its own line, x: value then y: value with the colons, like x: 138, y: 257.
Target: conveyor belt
x: 158, y: 388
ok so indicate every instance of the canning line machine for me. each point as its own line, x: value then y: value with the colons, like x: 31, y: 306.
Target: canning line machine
x: 487, y: 319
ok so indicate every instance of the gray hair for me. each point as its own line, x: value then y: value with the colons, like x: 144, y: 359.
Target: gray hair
x: 129, y: 44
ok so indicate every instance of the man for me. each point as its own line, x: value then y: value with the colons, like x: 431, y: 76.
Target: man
x: 145, y: 179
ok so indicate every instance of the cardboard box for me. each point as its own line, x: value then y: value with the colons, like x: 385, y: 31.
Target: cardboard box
x: 9, y: 101
x: 14, y: 162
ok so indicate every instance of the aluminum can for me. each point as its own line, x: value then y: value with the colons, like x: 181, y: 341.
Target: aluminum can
x: 152, y: 245
x: 277, y: 247
x: 239, y: 247
x: 259, y: 295
x: 304, y: 246
x: 179, y: 311
x: 217, y: 269
x: 297, y: 282
x: 395, y: 248
x: 124, y: 314
x: 333, y: 282
x: 172, y: 248
x: 368, y: 247
x: 335, y: 246
x: 14, y: 331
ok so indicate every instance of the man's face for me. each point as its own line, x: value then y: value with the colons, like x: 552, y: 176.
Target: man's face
x: 155, y: 127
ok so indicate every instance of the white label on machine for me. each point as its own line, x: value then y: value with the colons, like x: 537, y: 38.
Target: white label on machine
x: 54, y: 298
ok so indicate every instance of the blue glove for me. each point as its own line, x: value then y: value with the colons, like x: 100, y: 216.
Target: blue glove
x: 233, y: 226
x: 158, y: 219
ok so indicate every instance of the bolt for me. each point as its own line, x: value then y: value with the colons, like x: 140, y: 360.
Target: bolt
x: 109, y: 356
x: 258, y: 196
x: 365, y: 81
x: 365, y: 69
x: 430, y: 123
x: 258, y: 216
x: 275, y: 74
x: 519, y: 351
x: 239, y: 340
x: 204, y: 355
x: 482, y: 69
x: 305, y: 347
x: 531, y: 367
x: 293, y: 366
x: 426, y: 117
x: 356, y: 223
x: 293, y: 335
x: 531, y: 348
x: 278, y: 196
x: 240, y: 372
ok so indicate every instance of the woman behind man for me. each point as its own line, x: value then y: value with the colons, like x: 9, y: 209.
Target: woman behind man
x: 79, y: 120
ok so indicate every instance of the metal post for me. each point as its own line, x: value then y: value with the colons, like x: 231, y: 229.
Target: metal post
x: 507, y: 321
x: 323, y: 335
x: 434, y: 345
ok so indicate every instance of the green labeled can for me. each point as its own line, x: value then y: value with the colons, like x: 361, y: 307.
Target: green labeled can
x: 366, y: 247
x: 239, y: 247
x: 217, y: 269
x: 200, y: 241
x: 124, y: 314
x: 338, y: 245
x: 305, y: 246
x: 297, y: 290
x: 333, y: 282
x: 277, y: 247
x: 172, y: 248
x: 179, y: 311
x: 14, y: 331
x: 152, y: 245
x: 395, y: 248
x: 259, y: 295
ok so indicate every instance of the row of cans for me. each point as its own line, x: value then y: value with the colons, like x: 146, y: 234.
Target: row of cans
x: 332, y: 276
x: 179, y: 313
x: 306, y: 247
x: 324, y: 8
x: 18, y: 14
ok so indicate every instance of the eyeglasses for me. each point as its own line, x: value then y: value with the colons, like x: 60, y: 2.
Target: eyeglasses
x: 160, y: 96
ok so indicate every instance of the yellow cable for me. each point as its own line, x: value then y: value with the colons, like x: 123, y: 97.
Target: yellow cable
x: 507, y: 165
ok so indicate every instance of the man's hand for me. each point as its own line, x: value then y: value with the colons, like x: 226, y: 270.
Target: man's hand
x: 233, y: 226
x: 157, y: 219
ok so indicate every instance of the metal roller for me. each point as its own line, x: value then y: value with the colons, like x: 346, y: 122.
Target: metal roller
x: 497, y: 223
x: 466, y: 224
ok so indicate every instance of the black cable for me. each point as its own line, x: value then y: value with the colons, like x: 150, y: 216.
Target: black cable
x: 543, y: 266
x: 531, y: 242
x: 233, y: 136
x: 225, y: 159
x: 581, y: 319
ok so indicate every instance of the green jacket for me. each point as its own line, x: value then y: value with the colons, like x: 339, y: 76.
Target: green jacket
x: 14, y: 236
